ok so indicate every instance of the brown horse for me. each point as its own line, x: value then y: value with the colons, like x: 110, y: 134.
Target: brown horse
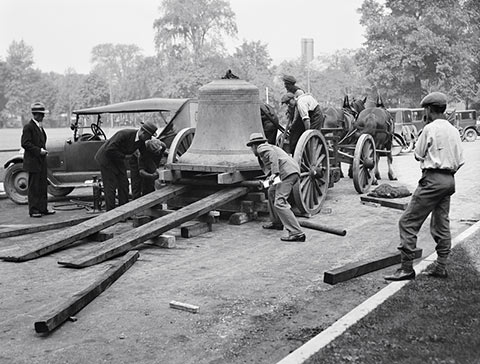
x: 378, y: 122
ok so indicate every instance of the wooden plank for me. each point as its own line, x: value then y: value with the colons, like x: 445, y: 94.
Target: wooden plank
x: 130, y: 239
x: 35, y: 228
x: 385, y: 203
x: 320, y: 227
x: 362, y: 267
x: 184, y: 306
x: 79, y: 300
x: 42, y: 246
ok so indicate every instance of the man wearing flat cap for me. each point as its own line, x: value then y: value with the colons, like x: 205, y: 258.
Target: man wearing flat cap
x: 148, y: 163
x: 34, y: 141
x: 290, y: 85
x: 439, y: 152
x: 307, y: 114
x: 275, y: 163
x: 111, y: 158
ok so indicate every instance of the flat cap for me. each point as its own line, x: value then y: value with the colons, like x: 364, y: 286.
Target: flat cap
x: 38, y: 107
x: 434, y: 98
x: 289, y: 79
x: 155, y: 146
x: 287, y: 97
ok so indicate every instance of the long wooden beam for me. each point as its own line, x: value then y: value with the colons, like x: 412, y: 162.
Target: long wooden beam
x: 385, y: 203
x: 35, y: 228
x: 362, y: 267
x: 130, y: 239
x: 79, y: 300
x: 42, y: 246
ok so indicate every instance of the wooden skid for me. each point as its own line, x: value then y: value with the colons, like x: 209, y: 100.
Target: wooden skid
x: 386, y: 203
x: 79, y: 300
x: 130, y: 239
x: 35, y: 228
x: 42, y: 246
x: 362, y: 267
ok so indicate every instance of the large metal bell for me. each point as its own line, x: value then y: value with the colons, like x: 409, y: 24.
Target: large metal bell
x: 228, y: 112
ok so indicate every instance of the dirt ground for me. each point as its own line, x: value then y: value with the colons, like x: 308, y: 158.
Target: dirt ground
x: 259, y: 298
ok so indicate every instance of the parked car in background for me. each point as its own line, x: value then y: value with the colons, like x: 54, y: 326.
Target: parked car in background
x: 466, y: 123
x: 71, y: 162
x: 405, y: 133
x: 417, y: 119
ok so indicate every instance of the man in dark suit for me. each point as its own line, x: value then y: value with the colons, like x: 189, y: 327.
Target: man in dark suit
x: 34, y: 141
x: 111, y: 158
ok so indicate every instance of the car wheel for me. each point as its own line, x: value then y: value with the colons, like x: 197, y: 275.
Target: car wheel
x: 16, y: 183
x: 59, y: 191
x: 470, y: 135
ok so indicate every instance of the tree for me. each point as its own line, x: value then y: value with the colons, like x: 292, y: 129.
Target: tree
x: 19, y: 79
x: 93, y: 91
x: 197, y: 25
x: 68, y: 97
x: 414, y: 47
x: 116, y: 63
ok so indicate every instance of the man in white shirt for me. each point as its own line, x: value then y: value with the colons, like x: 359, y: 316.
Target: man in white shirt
x: 440, y: 154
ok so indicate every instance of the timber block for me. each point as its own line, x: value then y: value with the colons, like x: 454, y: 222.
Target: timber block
x: 362, y: 267
x: 239, y: 218
x: 140, y: 220
x: 164, y: 241
x: 194, y: 228
x: 385, y: 202
x: 100, y: 236
x: 255, y: 196
x: 155, y: 213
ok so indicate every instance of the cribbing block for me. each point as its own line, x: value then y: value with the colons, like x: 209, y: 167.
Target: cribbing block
x: 140, y: 220
x: 239, y: 218
x: 255, y: 196
x: 100, y: 236
x: 164, y: 241
x: 362, y: 267
x: 194, y: 228
x: 385, y: 203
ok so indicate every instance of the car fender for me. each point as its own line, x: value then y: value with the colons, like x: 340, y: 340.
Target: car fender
x: 18, y: 158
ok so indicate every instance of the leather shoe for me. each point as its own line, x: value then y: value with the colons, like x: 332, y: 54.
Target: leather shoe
x: 272, y: 226
x: 48, y: 212
x: 36, y: 214
x: 436, y: 271
x: 295, y: 237
x: 401, y: 275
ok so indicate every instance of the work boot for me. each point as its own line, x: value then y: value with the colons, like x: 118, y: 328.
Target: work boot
x: 294, y: 237
x: 272, y: 226
x: 401, y: 274
x: 437, y: 271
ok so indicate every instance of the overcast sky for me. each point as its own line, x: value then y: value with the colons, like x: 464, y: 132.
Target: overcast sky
x: 63, y: 32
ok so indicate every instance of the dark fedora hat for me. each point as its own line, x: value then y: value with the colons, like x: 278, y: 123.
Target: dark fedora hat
x: 149, y: 127
x: 256, y: 138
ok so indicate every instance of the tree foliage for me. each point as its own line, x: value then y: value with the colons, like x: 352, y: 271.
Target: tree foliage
x: 414, y: 47
x: 197, y: 25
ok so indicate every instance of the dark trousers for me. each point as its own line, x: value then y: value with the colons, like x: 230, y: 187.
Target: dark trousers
x: 114, y: 179
x: 431, y: 196
x: 37, y: 191
x: 148, y: 185
x: 279, y: 208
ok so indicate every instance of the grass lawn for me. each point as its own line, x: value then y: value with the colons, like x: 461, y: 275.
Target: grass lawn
x: 430, y: 320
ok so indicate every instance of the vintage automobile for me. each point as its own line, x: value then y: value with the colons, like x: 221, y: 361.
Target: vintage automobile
x: 417, y: 119
x: 405, y: 132
x: 466, y: 123
x: 71, y: 162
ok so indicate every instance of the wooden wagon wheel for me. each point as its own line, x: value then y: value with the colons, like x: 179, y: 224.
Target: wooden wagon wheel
x: 364, y: 160
x: 180, y: 144
x: 311, y: 153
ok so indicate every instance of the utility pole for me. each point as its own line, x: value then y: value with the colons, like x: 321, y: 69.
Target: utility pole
x: 307, y: 56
